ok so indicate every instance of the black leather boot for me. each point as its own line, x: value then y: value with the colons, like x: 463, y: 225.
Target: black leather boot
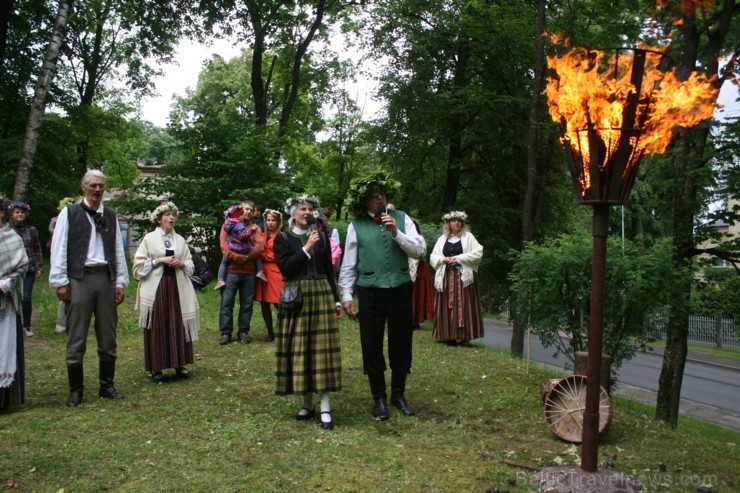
x: 107, y: 372
x: 76, y: 385
x: 398, y: 387
x: 377, y: 387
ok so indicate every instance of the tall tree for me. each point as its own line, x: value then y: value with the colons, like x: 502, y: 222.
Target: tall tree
x: 705, y: 34
x: 38, y: 106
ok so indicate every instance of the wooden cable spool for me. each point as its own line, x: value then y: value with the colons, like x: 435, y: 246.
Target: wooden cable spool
x: 565, y: 404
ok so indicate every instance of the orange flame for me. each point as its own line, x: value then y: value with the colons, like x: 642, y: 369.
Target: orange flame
x: 592, y: 93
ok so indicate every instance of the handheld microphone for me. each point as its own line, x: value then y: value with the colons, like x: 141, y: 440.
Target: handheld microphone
x: 381, y: 209
x: 311, y: 220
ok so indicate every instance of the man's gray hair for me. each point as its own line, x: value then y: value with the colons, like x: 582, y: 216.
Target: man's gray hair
x: 93, y: 173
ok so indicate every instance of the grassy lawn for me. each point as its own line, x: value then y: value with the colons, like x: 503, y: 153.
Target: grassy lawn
x: 225, y: 430
x: 703, y: 349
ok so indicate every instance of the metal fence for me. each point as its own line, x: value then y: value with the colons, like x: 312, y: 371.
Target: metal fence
x: 714, y: 332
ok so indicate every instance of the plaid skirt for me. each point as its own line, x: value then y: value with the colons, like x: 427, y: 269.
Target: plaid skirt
x: 307, y: 351
x: 164, y: 339
x: 16, y: 393
x: 457, y: 310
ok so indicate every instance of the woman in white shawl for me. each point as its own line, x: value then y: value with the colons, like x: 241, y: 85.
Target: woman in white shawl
x: 13, y: 266
x: 456, y: 257
x: 168, y: 308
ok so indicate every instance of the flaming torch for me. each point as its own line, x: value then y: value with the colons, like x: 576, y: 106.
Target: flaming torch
x: 615, y: 107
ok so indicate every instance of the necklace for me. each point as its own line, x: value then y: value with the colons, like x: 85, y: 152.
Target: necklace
x: 167, y: 243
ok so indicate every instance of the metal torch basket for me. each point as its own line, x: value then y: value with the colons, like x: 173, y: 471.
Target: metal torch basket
x: 565, y: 403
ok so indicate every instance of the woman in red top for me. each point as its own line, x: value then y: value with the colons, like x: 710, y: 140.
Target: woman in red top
x: 268, y: 292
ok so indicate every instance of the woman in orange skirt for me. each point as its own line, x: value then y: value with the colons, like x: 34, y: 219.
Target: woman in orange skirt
x: 422, y: 301
x: 268, y: 292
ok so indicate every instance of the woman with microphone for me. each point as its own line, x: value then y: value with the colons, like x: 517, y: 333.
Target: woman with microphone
x: 308, y: 350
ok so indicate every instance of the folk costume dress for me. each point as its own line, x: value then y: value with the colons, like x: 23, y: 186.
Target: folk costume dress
x: 269, y: 292
x: 13, y: 266
x: 458, y: 314
x: 169, y: 311
x: 308, y: 349
x: 422, y: 301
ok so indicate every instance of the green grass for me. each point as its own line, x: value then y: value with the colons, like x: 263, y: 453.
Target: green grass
x: 705, y: 350
x: 225, y: 430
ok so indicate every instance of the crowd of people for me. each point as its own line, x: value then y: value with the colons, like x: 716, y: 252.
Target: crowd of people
x: 300, y: 271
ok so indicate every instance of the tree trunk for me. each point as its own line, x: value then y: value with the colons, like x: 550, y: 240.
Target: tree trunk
x: 295, y: 77
x: 530, y: 216
x: 456, y: 152
x: 38, y: 105
x: 689, y: 161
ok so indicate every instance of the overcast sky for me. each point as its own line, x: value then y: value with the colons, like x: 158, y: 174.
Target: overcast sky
x: 190, y: 57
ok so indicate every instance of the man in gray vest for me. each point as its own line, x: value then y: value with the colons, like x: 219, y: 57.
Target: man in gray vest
x: 376, y: 252
x: 88, y: 270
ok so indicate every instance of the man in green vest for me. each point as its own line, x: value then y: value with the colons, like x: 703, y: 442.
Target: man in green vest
x: 376, y: 251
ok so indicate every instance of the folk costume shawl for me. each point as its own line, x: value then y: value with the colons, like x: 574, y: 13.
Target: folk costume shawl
x: 13, y: 266
x: 151, y: 247
x: 469, y: 260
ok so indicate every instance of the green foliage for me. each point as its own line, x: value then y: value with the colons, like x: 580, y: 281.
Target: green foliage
x: 719, y: 300
x: 551, y: 284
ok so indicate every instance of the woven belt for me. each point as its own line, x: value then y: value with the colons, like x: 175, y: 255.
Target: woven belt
x: 96, y: 269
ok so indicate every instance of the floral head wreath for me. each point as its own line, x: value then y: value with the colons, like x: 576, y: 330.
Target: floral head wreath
x: 362, y: 187
x: 305, y: 198
x: 20, y: 205
x: 273, y: 211
x: 455, y: 215
x: 67, y: 201
x: 161, y: 209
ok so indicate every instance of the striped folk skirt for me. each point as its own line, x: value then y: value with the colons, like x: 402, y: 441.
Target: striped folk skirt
x: 458, y: 314
x: 308, y: 353
x: 164, y: 339
x: 16, y: 393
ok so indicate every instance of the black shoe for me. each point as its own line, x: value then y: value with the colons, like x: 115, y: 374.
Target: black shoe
x: 157, y: 377
x: 75, y: 398
x: 182, y: 372
x: 326, y: 425
x: 305, y: 417
x: 400, y: 402
x: 380, y: 410
x: 109, y: 393
x: 225, y: 339
x: 244, y: 338
x: 270, y: 338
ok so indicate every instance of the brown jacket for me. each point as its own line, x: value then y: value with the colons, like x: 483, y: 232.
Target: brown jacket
x: 238, y: 263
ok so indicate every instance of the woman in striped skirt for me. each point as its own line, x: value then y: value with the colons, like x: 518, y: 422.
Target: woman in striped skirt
x: 308, y: 352
x: 456, y: 257
x: 168, y: 308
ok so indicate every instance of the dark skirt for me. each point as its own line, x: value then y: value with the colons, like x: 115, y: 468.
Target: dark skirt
x: 458, y: 314
x: 16, y: 393
x: 423, y: 297
x: 307, y: 349
x: 164, y: 339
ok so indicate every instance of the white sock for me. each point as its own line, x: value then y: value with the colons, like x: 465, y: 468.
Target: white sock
x: 307, y: 405
x: 325, y: 408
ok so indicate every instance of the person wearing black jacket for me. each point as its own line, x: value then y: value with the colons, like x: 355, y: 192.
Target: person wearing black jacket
x: 202, y: 276
x: 308, y: 348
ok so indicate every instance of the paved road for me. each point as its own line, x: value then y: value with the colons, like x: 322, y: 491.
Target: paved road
x: 710, y: 389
